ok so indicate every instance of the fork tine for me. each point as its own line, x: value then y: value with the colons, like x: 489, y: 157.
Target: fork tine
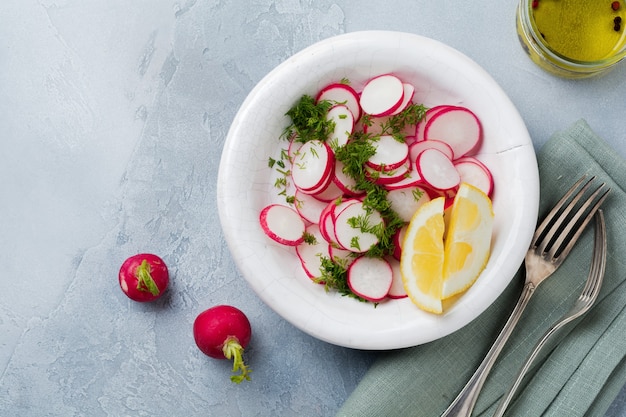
x: 547, y: 221
x: 591, y: 284
x: 558, y: 251
x: 599, y: 261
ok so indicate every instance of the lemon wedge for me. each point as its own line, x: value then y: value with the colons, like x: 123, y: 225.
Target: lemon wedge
x: 422, y: 259
x: 443, y: 258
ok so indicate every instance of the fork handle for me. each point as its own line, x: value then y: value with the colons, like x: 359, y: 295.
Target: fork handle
x: 463, y: 404
x: 529, y: 361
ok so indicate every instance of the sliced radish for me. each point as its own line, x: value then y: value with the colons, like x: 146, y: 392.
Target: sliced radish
x: 398, y: 240
x: 416, y: 148
x: 390, y: 153
x: 310, y: 254
x: 410, y: 179
x: 474, y: 172
x: 327, y: 223
x: 437, y: 170
x: 342, y: 94
x: 294, y: 149
x: 330, y: 192
x: 353, y: 227
x: 282, y: 224
x: 309, y: 207
x: 396, y: 290
x: 370, y: 278
x: 388, y: 177
x: 343, y: 121
x: 382, y: 95
x: 406, y: 201
x: 344, y: 181
x: 408, y: 93
x: 343, y: 257
x: 312, y: 167
x: 458, y: 127
x: 419, y: 131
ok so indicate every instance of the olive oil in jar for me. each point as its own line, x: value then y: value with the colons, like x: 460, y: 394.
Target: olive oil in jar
x: 581, y: 30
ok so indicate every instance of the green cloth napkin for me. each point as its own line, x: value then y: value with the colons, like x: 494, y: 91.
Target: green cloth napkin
x: 582, y: 375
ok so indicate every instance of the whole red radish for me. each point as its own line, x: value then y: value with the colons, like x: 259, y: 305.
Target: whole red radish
x: 223, y: 332
x: 143, y: 277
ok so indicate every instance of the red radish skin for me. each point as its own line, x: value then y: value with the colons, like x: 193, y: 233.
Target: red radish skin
x: 418, y: 147
x: 410, y: 179
x: 341, y: 94
x: 382, y: 95
x: 331, y: 192
x: 282, y: 224
x: 459, y: 127
x: 370, y: 278
x: 143, y: 277
x: 224, y: 332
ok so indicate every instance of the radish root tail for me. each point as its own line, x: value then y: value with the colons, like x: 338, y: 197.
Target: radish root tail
x: 234, y: 351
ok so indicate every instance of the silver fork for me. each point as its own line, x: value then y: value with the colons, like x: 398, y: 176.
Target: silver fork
x: 552, y: 242
x: 584, y: 302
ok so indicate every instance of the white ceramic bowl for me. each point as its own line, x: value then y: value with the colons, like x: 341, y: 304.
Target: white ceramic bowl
x: 441, y: 75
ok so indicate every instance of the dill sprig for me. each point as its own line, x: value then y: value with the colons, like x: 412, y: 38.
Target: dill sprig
x: 309, y: 120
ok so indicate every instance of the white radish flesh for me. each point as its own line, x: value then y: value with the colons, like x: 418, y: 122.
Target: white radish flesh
x: 309, y: 207
x: 370, y: 278
x: 343, y: 122
x: 356, y: 237
x: 417, y: 147
x: 396, y: 290
x: 312, y: 167
x: 390, y: 153
x: 406, y: 201
x: 458, y: 127
x: 437, y: 170
x: 341, y: 256
x: 388, y: 177
x: 410, y: 179
x: 474, y: 172
x: 310, y: 254
x: 282, y: 224
x: 409, y: 91
x: 342, y: 94
x: 330, y: 192
x: 421, y: 125
x: 344, y: 181
x: 382, y: 95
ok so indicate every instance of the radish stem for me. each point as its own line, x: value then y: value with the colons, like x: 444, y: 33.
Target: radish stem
x: 233, y: 350
x: 145, y: 282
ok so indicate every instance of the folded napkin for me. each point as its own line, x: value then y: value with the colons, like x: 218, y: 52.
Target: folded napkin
x: 582, y: 375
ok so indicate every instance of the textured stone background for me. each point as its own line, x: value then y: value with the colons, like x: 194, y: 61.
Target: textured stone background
x: 113, y: 116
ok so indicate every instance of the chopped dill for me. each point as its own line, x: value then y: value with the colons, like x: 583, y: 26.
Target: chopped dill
x: 308, y: 120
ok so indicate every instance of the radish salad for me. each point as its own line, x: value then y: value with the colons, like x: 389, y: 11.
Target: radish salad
x: 355, y: 167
